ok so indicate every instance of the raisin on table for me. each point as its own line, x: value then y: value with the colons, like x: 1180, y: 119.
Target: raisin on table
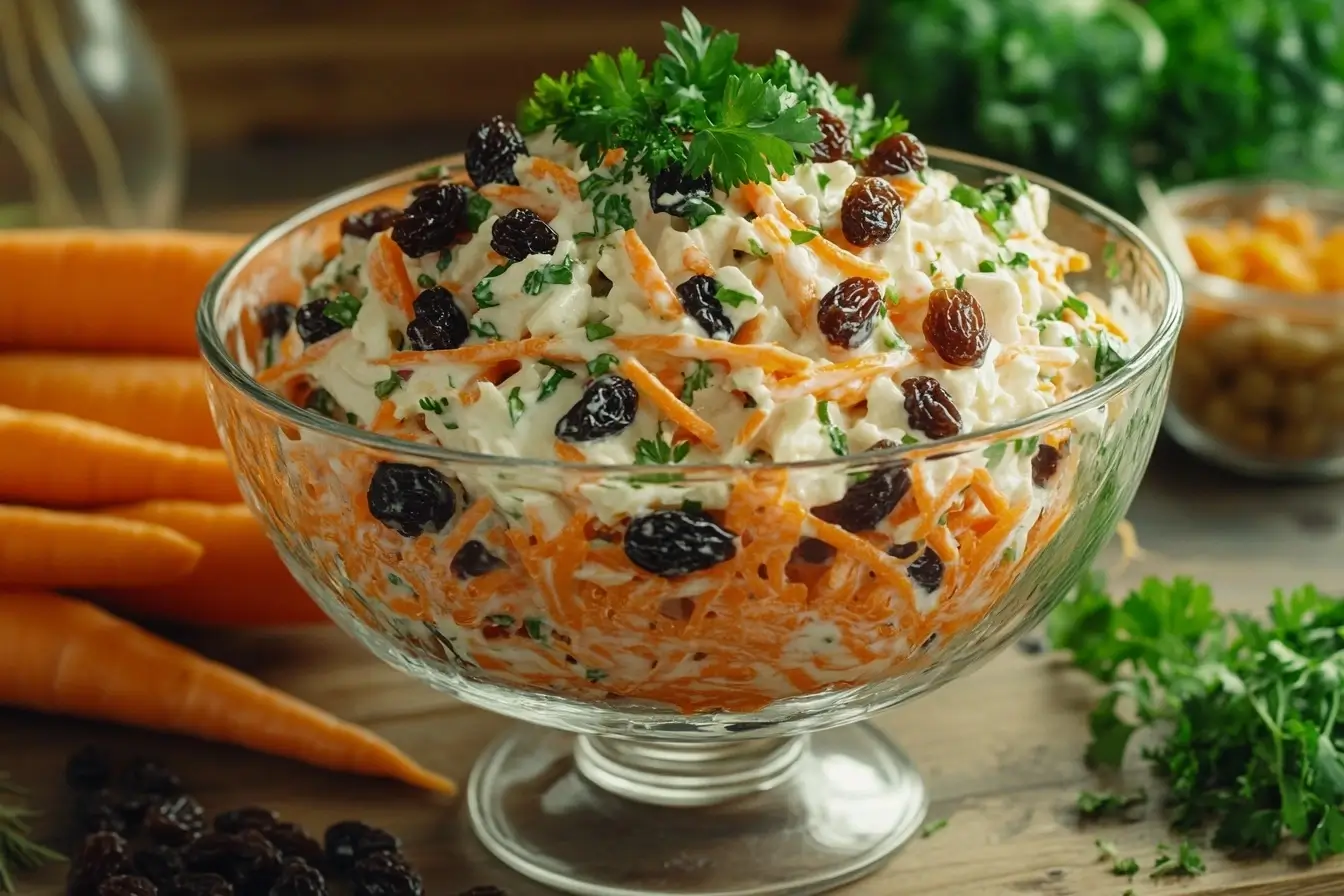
x: 699, y: 298
x: 492, y: 150
x: 473, y: 559
x: 898, y: 154
x: 955, y: 327
x: 365, y: 224
x: 127, y: 885
x: 671, y: 543
x: 235, y: 821
x: 483, y: 890
x: 102, y: 855
x: 439, y: 322
x: 158, y: 863
x: 410, y: 499
x: 294, y: 842
x: 100, y: 810
x: 521, y: 233
x: 847, y: 313
x: 88, y: 768
x: 247, y: 860
x: 929, y: 407
x: 672, y: 192
x: 433, y: 220
x: 608, y: 405
x: 313, y: 323
x: 299, y: 879
x: 349, y: 841
x: 149, y: 776
x: 926, y: 570
x: 834, y: 143
x: 175, y: 821
x: 386, y: 874
x: 871, y: 211
x: 199, y: 884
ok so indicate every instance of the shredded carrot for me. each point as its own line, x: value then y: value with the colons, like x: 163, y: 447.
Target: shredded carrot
x: 749, y: 332
x: 846, y: 375
x: 905, y: 188
x: 560, y: 175
x: 387, y: 274
x: 671, y: 407
x: 485, y: 353
x: 751, y: 427
x: 569, y: 453
x: 771, y: 358
x: 650, y: 277
x: 278, y: 373
x: 767, y: 204
x: 520, y: 197
x: 694, y: 259
x: 613, y: 157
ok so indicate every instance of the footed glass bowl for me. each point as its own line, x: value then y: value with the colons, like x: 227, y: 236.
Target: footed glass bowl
x: 701, y: 735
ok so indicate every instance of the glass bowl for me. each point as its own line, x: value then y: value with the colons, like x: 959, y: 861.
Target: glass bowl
x: 718, y: 749
x: 1258, y: 383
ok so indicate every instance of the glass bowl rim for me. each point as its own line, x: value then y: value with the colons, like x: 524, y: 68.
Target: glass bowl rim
x: 1159, y: 343
x: 1204, y: 286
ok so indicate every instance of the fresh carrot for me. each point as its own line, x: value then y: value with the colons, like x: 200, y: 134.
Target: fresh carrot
x: 163, y: 398
x: 388, y: 275
x: 50, y: 549
x: 485, y: 353
x: 769, y: 357
x: 61, y: 461
x: 106, y: 290
x: 241, y: 580
x: 650, y: 278
x: 671, y: 407
x: 560, y: 175
x: 60, y: 655
x: 520, y: 197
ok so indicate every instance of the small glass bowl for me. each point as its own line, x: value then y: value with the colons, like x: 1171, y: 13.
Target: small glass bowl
x: 1258, y: 384
x: 688, y: 753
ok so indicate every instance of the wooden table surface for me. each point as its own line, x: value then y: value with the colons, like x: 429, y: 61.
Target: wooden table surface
x: 1001, y: 749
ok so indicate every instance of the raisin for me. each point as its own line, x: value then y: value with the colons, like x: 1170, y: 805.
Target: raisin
x: 133, y: 806
x: 608, y: 405
x: 127, y: 885
x: 492, y: 150
x: 349, y: 841
x: 199, y: 885
x: 159, y: 863
x: 294, y: 842
x: 847, y: 313
x: 323, y: 402
x: 930, y: 408
x: 432, y: 221
x: 89, y: 768
x: 246, y: 860
x: 484, y: 890
x: 521, y: 233
x: 385, y: 874
x: 868, y: 501
x: 254, y: 818
x: 834, y: 143
x: 149, y: 776
x: 102, y: 855
x: 699, y: 297
x: 365, y: 224
x: 439, y: 322
x: 410, y: 499
x: 898, y: 154
x: 472, y: 560
x: 299, y: 879
x: 673, y: 193
x: 1044, y: 465
x: 100, y: 810
x: 871, y: 211
x: 176, y: 821
x: 926, y: 570
x: 671, y: 543
x: 313, y: 323
x: 955, y: 327
x: 275, y: 319
x: 904, y: 551
x: 813, y: 550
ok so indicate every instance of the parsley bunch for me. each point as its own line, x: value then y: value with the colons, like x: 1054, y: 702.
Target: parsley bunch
x: 699, y: 109
x: 1247, y: 713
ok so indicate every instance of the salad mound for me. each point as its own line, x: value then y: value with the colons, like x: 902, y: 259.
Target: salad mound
x: 701, y: 262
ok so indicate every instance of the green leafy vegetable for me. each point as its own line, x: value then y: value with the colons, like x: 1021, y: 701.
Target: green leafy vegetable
x: 424, y: 281
x: 994, y: 453
x: 699, y: 377
x: 757, y: 249
x: 478, y: 209
x: 548, y: 274
x: 601, y: 364
x: 598, y: 331
x: 839, y: 441
x: 1108, y: 359
x: 483, y: 292
x: 799, y: 237
x: 1099, y: 805
x: 485, y: 330
x: 932, y: 827
x: 988, y: 267
x: 343, y: 309
x: 732, y: 296
x: 432, y: 405
x: 558, y: 375
x: 386, y: 387
x: 516, y: 405
x: 658, y: 451
x: 994, y: 204
x: 1187, y: 862
x: 1127, y: 867
x: 611, y: 206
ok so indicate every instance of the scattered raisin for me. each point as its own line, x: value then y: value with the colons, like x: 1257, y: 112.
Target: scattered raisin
x: 521, y: 233
x: 133, y: 806
x: 149, y: 776
x: 484, y: 890
x: 127, y: 885
x: 365, y: 224
x: 432, y: 221
x: 246, y: 860
x: 813, y: 550
x: 834, y: 143
x: 313, y: 323
x: 474, y: 559
x: 898, y: 154
x: 492, y: 150
x: 904, y: 551
x: 847, y: 313
x: 255, y: 818
x: 955, y: 327
x: 1044, y: 465
x: 349, y: 841
x: 439, y: 322
x: 102, y: 855
x: 673, y: 193
x: 671, y: 543
x: 868, y: 501
x: 175, y: 821
x: 295, y: 843
x: 199, y: 885
x: 608, y: 405
x: 410, y: 499
x: 100, y: 810
x: 275, y: 319
x: 926, y: 570
x: 89, y: 768
x: 299, y: 879
x: 699, y: 297
x: 871, y: 211
x: 159, y: 863
x: 930, y: 408
x: 385, y: 874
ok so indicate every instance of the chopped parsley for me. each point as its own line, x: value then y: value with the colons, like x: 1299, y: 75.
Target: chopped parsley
x: 988, y: 267
x: 699, y: 378
x: 351, y: 418
x: 699, y: 209
x: 1108, y: 359
x: 445, y: 259
x: 933, y: 827
x: 960, y: 281
x: 548, y: 274
x: 1126, y: 867
x: 1026, y: 446
x: 994, y: 453
x: 658, y: 451
x: 1186, y: 863
x: 385, y: 388
x: 756, y: 248
x: 1109, y: 254
x: 839, y: 441
x: 485, y: 330
x: 994, y: 204
x: 1018, y: 260
x: 908, y: 439
x: 343, y: 309
x: 732, y: 296
x: 534, y: 628
x: 598, y: 331
x: 551, y: 383
x: 611, y: 207
x: 601, y: 364
x: 516, y: 406
x: 483, y: 292
x: 1070, y: 303
x: 800, y: 237
x: 433, y: 172
x: 432, y: 405
x: 424, y: 281
x: 1094, y: 805
x: 594, y: 674
x: 823, y: 179
x: 478, y: 209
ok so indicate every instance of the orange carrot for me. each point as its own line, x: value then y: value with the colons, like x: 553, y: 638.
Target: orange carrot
x: 51, y: 549
x: 769, y: 357
x: 241, y: 580
x: 65, y: 656
x: 106, y: 290
x: 671, y: 407
x: 561, y: 176
x: 163, y: 398
x: 650, y: 278
x: 387, y: 274
x: 485, y: 353
x: 57, y: 460
x: 520, y: 197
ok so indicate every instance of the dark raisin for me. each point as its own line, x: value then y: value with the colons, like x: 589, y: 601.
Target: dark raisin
x: 608, y: 406
x: 299, y: 879
x: 253, y: 818
x: 904, y: 551
x: 295, y: 843
x: 247, y: 860
x: 102, y: 855
x: 159, y: 863
x: 432, y: 221
x: 871, y: 211
x: 385, y: 874
x: 868, y: 501
x: 89, y: 768
x: 926, y: 570
x: 521, y: 233
x: 484, y: 890
x: 473, y: 559
x: 847, y: 313
x: 134, y: 806
x: 813, y: 550
x: 955, y: 327
x: 834, y: 143
x: 898, y: 154
x: 1044, y: 465
x: 127, y: 885
x: 672, y: 543
x: 100, y: 810
x: 199, y: 885
x: 673, y: 193
x: 275, y: 319
x: 492, y: 150
x: 175, y: 821
x: 439, y: 322
x: 349, y: 841
x: 313, y: 323
x: 930, y: 408
x: 699, y: 297
x: 410, y: 499
x: 150, y: 776
x: 367, y: 223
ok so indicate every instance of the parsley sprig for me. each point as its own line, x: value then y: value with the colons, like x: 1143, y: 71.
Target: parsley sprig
x: 18, y: 851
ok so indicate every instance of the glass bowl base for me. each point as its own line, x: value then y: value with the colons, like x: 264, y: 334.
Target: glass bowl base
x: 601, y: 817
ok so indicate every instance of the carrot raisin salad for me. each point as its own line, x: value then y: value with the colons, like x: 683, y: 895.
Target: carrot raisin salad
x: 695, y: 262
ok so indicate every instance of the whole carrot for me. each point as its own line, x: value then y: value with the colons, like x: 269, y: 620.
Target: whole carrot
x: 65, y: 656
